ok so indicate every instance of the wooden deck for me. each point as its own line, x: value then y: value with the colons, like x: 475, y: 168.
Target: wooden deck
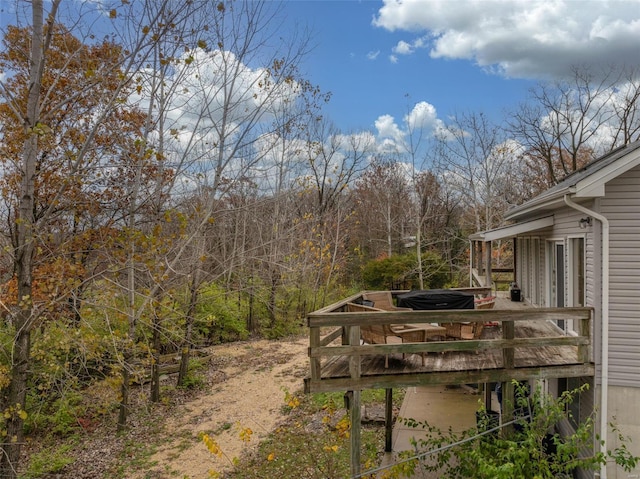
x: 522, y: 343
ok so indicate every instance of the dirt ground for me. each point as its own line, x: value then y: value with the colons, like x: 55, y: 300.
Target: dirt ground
x: 245, y: 387
x: 256, y: 377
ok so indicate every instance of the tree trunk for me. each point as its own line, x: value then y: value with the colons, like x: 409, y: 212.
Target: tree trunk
x: 14, y: 394
x: 252, y: 323
x: 194, y: 296
x: 273, y: 290
x: 123, y: 411
x: 185, y: 353
x: 155, y: 358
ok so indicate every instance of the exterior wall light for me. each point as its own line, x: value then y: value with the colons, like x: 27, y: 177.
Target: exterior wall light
x: 584, y: 223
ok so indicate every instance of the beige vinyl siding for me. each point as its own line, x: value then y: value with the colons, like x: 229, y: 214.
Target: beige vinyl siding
x: 621, y: 206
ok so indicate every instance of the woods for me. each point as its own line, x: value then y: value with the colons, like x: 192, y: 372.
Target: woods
x: 175, y: 183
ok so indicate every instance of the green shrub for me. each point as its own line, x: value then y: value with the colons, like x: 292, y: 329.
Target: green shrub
x: 219, y: 318
x: 48, y: 461
x: 59, y: 417
x: 194, y: 378
x: 530, y: 450
x: 385, y: 273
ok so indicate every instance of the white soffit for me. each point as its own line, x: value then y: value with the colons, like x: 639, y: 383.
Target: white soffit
x: 514, y: 230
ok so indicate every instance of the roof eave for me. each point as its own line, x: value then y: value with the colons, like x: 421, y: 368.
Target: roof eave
x: 511, y: 231
x: 544, y: 203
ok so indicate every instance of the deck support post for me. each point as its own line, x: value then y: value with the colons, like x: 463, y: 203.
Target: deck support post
x: 388, y: 420
x: 355, y: 437
x: 355, y: 402
x: 508, y: 396
x: 486, y: 390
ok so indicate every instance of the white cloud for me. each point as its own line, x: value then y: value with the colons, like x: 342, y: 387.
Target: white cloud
x: 403, y: 48
x: 423, y: 117
x: 393, y: 59
x: 519, y: 38
x: 373, y: 55
x: 388, y: 128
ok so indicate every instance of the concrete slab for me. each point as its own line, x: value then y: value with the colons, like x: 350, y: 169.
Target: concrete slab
x: 441, y: 406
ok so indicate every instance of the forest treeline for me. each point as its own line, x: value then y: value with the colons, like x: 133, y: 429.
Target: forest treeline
x: 172, y: 182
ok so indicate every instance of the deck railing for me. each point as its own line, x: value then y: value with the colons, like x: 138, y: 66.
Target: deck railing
x: 334, y: 334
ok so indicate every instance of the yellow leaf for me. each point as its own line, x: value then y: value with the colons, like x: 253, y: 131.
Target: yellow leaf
x: 113, y: 13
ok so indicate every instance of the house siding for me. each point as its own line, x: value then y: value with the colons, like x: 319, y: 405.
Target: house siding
x: 565, y: 226
x: 621, y: 206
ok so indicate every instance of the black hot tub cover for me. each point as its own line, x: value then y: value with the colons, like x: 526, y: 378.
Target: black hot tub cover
x: 436, y: 299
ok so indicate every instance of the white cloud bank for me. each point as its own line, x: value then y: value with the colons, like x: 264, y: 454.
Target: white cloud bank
x: 422, y: 118
x: 519, y: 38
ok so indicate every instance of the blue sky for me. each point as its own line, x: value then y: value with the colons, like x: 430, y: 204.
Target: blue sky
x: 382, y: 57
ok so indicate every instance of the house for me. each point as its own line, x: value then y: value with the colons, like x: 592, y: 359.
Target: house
x: 578, y: 244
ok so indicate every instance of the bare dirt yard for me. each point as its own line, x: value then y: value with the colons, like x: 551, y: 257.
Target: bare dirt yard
x: 243, y: 398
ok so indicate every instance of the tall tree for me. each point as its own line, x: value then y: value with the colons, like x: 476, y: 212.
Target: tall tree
x: 14, y: 391
x: 70, y: 99
x: 473, y: 157
x: 381, y: 197
x: 569, y: 122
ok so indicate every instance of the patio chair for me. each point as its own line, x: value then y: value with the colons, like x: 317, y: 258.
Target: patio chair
x: 383, y: 300
x: 471, y: 331
x: 387, y: 333
x: 453, y: 330
x: 485, y: 303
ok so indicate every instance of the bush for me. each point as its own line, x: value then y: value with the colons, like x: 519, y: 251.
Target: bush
x: 220, y: 319
x: 530, y: 450
x: 59, y: 417
x: 194, y: 378
x: 403, y: 269
x: 48, y: 461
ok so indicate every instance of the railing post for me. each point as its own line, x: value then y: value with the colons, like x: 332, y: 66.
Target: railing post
x: 314, y: 342
x: 508, y: 354
x: 508, y: 331
x: 584, y: 350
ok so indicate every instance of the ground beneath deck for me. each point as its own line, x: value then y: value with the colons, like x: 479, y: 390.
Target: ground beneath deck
x: 443, y: 407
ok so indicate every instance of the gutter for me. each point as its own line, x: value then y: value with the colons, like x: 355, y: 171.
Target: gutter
x: 604, y: 352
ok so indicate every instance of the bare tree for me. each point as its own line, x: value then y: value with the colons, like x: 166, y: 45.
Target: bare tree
x: 473, y: 157
x: 219, y: 117
x: 334, y: 161
x: 626, y: 108
x: 567, y: 123
x: 381, y: 197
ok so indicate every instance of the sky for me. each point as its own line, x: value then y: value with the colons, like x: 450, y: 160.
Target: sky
x: 381, y: 58
x: 385, y: 59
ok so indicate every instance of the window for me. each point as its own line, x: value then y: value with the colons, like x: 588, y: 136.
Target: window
x: 555, y: 268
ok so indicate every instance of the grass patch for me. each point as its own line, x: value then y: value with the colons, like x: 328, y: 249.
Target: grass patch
x: 313, y: 442
x: 49, y: 461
